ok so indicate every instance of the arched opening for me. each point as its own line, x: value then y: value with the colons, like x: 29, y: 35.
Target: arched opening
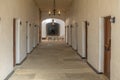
x: 53, y: 29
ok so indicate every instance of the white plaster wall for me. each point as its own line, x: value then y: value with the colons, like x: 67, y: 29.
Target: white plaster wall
x: 9, y: 9
x: 62, y: 27
x: 92, y: 11
x: 115, y: 66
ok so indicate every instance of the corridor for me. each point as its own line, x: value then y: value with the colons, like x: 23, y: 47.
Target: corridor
x: 54, y: 61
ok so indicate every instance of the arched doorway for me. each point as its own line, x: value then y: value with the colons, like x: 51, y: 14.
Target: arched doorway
x: 50, y: 28
x: 53, y: 30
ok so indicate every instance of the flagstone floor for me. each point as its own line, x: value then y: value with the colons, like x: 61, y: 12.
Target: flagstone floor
x: 54, y: 61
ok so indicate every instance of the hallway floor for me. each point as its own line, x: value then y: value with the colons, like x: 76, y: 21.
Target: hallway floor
x: 54, y: 61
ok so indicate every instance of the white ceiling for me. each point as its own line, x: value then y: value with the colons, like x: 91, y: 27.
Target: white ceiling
x: 45, y: 5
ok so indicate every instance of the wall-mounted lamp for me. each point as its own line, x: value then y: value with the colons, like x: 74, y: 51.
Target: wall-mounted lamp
x: 71, y: 26
x: 87, y: 23
x: 112, y: 19
x: 26, y: 21
x: 35, y: 25
x: 20, y: 23
x: 76, y: 24
x: 30, y: 25
x: 53, y: 22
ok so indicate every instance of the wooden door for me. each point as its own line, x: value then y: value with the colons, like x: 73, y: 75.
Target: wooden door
x: 67, y: 34
x: 14, y: 42
x: 107, y: 43
x: 40, y: 34
x: 86, y: 38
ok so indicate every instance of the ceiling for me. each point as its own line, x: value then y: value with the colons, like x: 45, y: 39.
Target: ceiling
x: 62, y: 5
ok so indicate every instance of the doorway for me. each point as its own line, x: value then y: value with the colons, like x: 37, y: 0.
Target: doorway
x: 53, y: 30
x: 14, y: 42
x: 107, y: 44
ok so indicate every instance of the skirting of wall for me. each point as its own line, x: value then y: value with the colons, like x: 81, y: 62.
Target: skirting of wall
x: 87, y: 62
x: 34, y: 48
x: 18, y: 64
x: 74, y: 49
x: 94, y: 68
x: 81, y: 56
x: 69, y: 44
x: 28, y: 53
x: 78, y: 53
x: 22, y: 61
x: 9, y: 75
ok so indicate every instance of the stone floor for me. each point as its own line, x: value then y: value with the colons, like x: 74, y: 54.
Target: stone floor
x: 54, y: 61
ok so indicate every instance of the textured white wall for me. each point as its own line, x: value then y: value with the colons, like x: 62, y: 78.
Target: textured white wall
x: 25, y: 10
x: 92, y: 11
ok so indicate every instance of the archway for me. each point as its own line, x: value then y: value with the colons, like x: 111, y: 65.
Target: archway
x: 50, y: 29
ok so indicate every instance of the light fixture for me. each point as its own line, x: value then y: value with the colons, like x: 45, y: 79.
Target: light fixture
x: 53, y: 22
x: 112, y: 19
x: 87, y: 23
x: 54, y: 11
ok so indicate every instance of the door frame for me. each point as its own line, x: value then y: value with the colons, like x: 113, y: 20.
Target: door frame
x: 105, y: 60
x: 14, y: 42
x: 71, y: 33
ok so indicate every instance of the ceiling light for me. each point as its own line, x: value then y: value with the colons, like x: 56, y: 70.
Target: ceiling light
x: 53, y: 22
x: 54, y: 11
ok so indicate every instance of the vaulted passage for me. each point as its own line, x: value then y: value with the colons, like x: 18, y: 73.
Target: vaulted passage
x: 77, y: 39
x: 54, y: 61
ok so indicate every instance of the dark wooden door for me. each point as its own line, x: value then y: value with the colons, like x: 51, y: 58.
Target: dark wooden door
x: 67, y: 34
x: 86, y: 38
x: 71, y: 34
x: 107, y: 43
x: 40, y: 34
x: 14, y: 42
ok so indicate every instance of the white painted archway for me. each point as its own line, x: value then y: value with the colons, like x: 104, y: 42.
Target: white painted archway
x: 49, y: 20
